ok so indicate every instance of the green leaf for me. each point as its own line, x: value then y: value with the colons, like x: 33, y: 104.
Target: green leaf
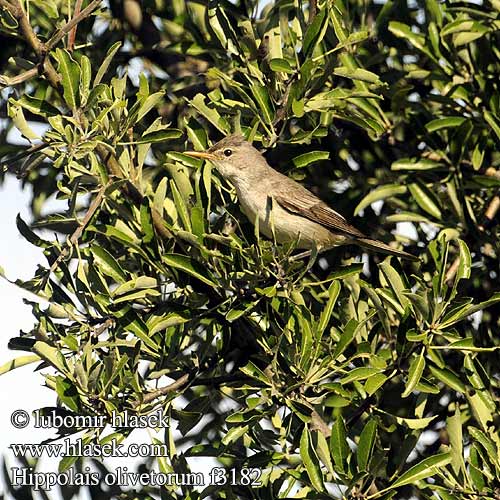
x: 375, y: 382
x: 15, y: 112
x: 189, y: 266
x: 467, y: 310
x: 413, y: 164
x: 415, y: 372
x: 333, y: 293
x: 107, y: 61
x: 338, y: 444
x: 264, y: 102
x: 480, y: 410
x: 490, y: 120
x: 337, y: 21
x: 160, y: 136
x: 67, y: 393
x: 8, y: 20
x: 212, y: 115
x: 70, y: 73
x: 156, y: 324
x: 425, y: 200
x: 312, y: 156
x: 86, y: 75
x: 181, y: 203
x: 52, y: 355
x: 234, y: 434
x: 30, y: 235
x: 358, y: 74
x: 323, y: 452
x: 255, y: 372
x: 315, y: 33
x: 404, y: 31
x: 107, y: 264
x: 18, y: 362
x: 310, y: 460
x: 379, y: 193
x: 486, y: 442
x: 221, y: 26
x: 395, y: 281
x: 359, y: 374
x: 454, y: 427
x: 344, y: 272
x: 149, y: 103
x: 425, y: 468
x: 464, y: 266
x: 37, y: 106
x: 49, y: 7
x: 415, y: 423
x: 130, y: 322
x: 346, y: 338
x: 366, y: 444
x: 449, y: 122
x: 280, y: 65
x: 448, y: 378
x: 136, y: 284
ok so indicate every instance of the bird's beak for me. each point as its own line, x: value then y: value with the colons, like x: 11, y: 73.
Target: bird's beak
x: 201, y: 154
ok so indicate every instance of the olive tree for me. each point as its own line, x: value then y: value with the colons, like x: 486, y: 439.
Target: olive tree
x: 320, y: 374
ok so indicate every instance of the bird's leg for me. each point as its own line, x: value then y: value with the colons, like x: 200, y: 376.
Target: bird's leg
x: 313, y: 254
x: 301, y: 255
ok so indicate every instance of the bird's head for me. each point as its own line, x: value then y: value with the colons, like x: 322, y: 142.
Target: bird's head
x: 233, y: 156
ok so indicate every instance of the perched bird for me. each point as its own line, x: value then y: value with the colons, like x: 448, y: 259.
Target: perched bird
x: 284, y: 208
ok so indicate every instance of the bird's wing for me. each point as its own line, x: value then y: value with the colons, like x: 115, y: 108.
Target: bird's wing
x: 304, y: 203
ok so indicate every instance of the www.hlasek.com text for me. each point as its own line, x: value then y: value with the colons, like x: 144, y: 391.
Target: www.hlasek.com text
x: 79, y: 448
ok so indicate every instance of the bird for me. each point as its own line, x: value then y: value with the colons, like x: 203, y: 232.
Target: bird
x: 284, y: 209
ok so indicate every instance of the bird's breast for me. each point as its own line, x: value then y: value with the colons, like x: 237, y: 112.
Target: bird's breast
x: 284, y: 226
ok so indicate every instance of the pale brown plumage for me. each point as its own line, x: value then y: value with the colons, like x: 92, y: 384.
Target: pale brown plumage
x: 285, y: 210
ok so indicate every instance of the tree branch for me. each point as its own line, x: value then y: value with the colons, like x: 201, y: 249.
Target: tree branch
x: 452, y: 270
x: 22, y: 77
x: 494, y: 205
x: 73, y: 240
x: 16, y: 10
x: 313, y: 9
x: 162, y: 391
x: 72, y: 33
x: 62, y: 32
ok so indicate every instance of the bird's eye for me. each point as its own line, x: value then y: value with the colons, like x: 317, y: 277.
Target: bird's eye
x: 228, y: 152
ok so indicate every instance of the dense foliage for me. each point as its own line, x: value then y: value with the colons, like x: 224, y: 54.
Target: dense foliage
x: 336, y: 379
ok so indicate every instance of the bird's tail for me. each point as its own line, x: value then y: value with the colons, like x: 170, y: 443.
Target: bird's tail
x: 382, y: 247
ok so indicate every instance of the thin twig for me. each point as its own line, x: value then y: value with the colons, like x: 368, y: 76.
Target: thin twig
x: 29, y: 151
x: 450, y: 274
x: 97, y: 331
x: 190, y: 378
x: 493, y: 208
x: 494, y: 205
x: 491, y: 212
x: 16, y: 10
x: 313, y: 9
x: 72, y: 33
x: 162, y: 391
x: 22, y: 77
x: 318, y: 424
x: 6, y: 4
x: 281, y: 112
x: 62, y: 32
x: 77, y: 233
